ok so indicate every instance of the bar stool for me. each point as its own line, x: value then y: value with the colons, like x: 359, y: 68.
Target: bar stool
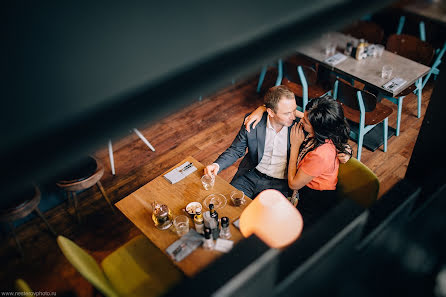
x: 19, y: 206
x: 85, y: 176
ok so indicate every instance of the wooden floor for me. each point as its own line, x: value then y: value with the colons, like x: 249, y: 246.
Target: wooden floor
x: 203, y: 130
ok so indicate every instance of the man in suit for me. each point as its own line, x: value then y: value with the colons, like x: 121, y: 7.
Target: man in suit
x: 265, y: 164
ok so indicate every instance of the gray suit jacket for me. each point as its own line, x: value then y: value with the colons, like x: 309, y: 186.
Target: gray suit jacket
x: 254, y: 141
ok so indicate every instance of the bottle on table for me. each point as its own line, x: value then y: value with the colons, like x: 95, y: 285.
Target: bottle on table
x: 214, y: 213
x: 215, y: 228
x: 208, y: 241
x: 199, y: 222
x: 225, y: 233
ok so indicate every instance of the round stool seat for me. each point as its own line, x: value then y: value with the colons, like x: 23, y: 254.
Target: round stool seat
x: 82, y: 171
x: 20, y: 204
x: 83, y: 177
x: 89, y: 173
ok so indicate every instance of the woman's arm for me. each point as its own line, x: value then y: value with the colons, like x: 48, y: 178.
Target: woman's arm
x: 254, y: 118
x: 300, y: 180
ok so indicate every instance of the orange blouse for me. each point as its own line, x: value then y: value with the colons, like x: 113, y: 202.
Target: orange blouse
x: 322, y: 163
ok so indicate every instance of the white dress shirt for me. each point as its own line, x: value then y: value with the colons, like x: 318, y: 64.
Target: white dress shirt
x: 274, y: 160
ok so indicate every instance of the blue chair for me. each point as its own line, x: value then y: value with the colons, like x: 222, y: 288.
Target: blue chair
x: 416, y: 50
x: 263, y: 73
x: 361, y: 107
x: 302, y: 81
x: 439, y: 52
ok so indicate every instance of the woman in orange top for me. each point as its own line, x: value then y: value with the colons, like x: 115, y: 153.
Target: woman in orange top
x: 313, y: 164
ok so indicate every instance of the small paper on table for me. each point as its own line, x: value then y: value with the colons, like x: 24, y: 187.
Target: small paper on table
x: 335, y: 59
x: 394, y: 84
x: 177, y: 174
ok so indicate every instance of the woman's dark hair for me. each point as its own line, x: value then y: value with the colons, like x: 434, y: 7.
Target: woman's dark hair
x: 326, y: 116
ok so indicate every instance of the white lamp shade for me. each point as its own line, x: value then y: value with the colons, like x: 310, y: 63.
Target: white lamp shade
x: 272, y: 218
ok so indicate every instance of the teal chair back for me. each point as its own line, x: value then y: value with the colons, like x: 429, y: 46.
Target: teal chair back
x: 86, y: 265
x: 357, y: 182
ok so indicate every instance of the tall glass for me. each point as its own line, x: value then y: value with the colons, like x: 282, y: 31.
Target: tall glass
x: 208, y: 182
x: 181, y: 224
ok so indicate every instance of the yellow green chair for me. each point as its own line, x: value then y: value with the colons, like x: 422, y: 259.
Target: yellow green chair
x: 138, y: 268
x: 357, y: 182
x: 22, y: 287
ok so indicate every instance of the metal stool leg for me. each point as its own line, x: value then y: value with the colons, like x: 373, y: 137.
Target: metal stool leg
x: 39, y: 213
x: 17, y: 242
x: 110, y: 155
x: 143, y: 139
x: 101, y: 188
x: 76, y: 210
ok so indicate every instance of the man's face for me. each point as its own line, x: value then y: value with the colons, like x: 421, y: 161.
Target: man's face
x: 306, y: 124
x: 284, y: 114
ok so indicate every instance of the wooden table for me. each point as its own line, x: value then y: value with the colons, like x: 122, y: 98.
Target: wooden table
x: 137, y: 208
x: 367, y: 71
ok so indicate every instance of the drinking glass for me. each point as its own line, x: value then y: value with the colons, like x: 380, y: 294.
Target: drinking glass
x: 386, y: 71
x: 330, y: 49
x: 208, y: 181
x: 238, y: 198
x: 181, y: 224
x: 379, y: 49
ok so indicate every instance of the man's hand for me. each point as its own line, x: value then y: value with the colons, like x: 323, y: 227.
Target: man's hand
x: 212, y: 170
x: 344, y: 157
x: 254, y: 117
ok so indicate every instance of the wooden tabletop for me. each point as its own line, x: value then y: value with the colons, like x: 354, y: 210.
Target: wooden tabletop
x: 431, y: 10
x: 367, y: 71
x: 137, y: 208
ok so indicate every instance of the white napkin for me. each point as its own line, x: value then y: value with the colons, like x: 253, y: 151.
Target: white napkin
x: 335, y: 59
x: 180, y: 172
x: 394, y: 84
x: 223, y: 245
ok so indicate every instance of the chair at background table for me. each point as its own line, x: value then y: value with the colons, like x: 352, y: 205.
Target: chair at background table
x: 416, y: 50
x: 263, y: 73
x: 369, y: 31
x: 138, y: 268
x: 357, y: 182
x: 20, y: 206
x: 428, y: 32
x: 361, y: 107
x: 110, y: 148
x: 84, y: 176
x: 302, y: 81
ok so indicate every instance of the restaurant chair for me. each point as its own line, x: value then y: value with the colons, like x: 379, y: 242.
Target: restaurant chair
x: 23, y: 288
x: 263, y: 73
x: 433, y: 32
x: 357, y: 182
x: 140, y: 135
x: 84, y: 176
x: 362, y: 108
x: 416, y: 50
x: 369, y: 31
x: 138, y: 268
x: 302, y: 81
x: 19, y: 206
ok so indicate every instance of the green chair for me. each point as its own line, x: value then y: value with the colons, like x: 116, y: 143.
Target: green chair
x: 22, y: 287
x: 358, y: 183
x: 138, y: 268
